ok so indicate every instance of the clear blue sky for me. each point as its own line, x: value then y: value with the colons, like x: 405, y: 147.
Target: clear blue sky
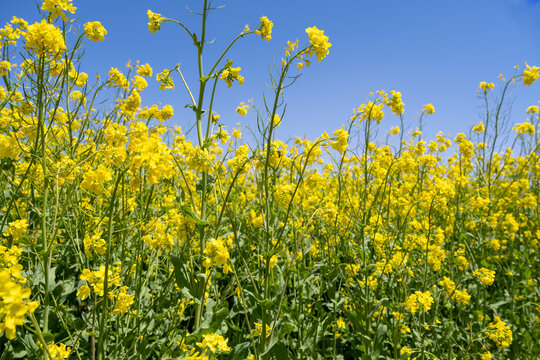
x: 432, y: 51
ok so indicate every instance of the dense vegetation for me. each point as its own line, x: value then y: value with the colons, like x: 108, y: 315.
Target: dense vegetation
x: 121, y: 238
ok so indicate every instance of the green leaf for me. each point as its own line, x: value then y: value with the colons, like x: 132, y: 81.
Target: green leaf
x: 194, y: 217
x: 239, y: 352
x: 182, y: 275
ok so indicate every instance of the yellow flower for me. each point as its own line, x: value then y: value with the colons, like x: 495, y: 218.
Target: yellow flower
x: 94, y: 180
x: 84, y: 292
x: 117, y: 79
x: 230, y: 74
x: 166, y: 80
x: 394, y: 131
x: 500, y: 333
x: 319, y: 42
x: 413, y: 302
x: 154, y: 21
x: 5, y: 67
x: 406, y: 351
x: 524, y: 128
x: 533, y: 110
x: 44, y: 38
x: 530, y: 75
x: 16, y: 229
x: 242, y: 109
x: 144, y: 70
x: 340, y: 143
x: 57, y: 8
x: 485, y: 276
x: 257, y: 331
x: 276, y: 121
x: 59, y: 351
x: 429, y: 109
x: 485, y: 87
x: 214, y: 343
x: 265, y: 29
x: 94, y: 243
x: 95, y: 31
x: 79, y: 78
x: 478, y: 129
x: 218, y: 254
x: 139, y: 82
x: 395, y: 103
x: 165, y: 113
x: 130, y: 105
x: 123, y: 302
x: 371, y: 111
x: 13, y: 304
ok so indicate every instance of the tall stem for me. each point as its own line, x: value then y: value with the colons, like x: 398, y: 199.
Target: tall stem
x: 202, y: 140
x: 104, y: 301
x: 45, y: 198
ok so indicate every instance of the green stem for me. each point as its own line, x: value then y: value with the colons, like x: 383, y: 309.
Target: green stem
x: 104, y: 305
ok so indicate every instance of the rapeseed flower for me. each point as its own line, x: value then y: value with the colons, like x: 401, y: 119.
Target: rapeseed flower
x: 530, y: 75
x: 500, y: 333
x: 154, y: 21
x: 44, y: 38
x: 265, y: 29
x: 95, y: 31
x: 319, y: 42
x: 57, y: 8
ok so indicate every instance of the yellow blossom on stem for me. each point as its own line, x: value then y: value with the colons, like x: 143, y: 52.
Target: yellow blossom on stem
x: 5, y: 67
x: 45, y: 38
x: 265, y: 29
x: 530, y: 75
x: 414, y: 301
x: 95, y: 31
x: 59, y: 351
x: 230, y: 74
x: 57, y: 8
x: 218, y: 254
x: 395, y: 103
x: 16, y: 229
x: 84, y: 292
x: 144, y: 70
x: 166, y: 80
x: 533, y: 110
x: 154, y: 21
x: 13, y: 304
x: 485, y: 87
x: 340, y: 143
x: 429, y: 109
x: 242, y: 109
x: 319, y: 42
x: 486, y: 276
x: 500, y: 333
x: 214, y: 343
x: 478, y: 129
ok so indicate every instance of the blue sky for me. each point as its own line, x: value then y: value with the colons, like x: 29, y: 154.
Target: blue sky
x: 432, y: 51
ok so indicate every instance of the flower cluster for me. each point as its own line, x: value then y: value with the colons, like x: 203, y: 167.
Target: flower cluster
x: 265, y: 29
x: 154, y: 21
x: 214, y: 342
x: 530, y: 74
x: 500, y: 333
x: 14, y: 299
x: 217, y: 253
x: 95, y: 31
x: 319, y: 42
x: 231, y: 74
x: 44, y: 38
x: 56, y: 8
x: 419, y: 300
